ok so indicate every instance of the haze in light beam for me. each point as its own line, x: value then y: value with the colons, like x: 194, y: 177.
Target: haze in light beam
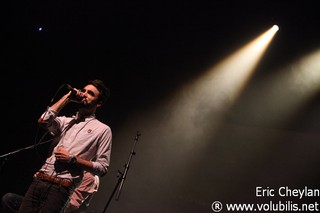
x: 204, y: 101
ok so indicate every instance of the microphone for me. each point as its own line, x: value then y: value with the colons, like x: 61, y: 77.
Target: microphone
x: 74, y: 93
x: 73, y: 90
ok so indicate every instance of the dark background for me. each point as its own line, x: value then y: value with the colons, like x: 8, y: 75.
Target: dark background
x: 145, y: 51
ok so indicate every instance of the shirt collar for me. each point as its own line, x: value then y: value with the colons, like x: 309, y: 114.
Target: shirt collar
x: 78, y: 116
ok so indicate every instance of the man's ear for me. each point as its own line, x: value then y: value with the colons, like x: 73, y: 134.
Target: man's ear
x: 99, y: 104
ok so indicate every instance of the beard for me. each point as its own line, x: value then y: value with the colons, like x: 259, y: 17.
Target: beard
x: 84, y: 105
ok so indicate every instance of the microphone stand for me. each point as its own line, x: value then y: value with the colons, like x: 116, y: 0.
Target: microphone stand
x: 122, y: 175
x: 35, y: 145
x: 5, y: 156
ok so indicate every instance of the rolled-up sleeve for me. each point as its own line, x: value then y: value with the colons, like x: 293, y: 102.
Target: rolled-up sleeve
x: 50, y: 121
x: 102, y: 162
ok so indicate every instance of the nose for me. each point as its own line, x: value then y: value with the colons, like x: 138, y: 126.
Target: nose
x: 84, y: 94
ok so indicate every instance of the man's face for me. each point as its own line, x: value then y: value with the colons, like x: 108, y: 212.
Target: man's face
x: 91, y: 95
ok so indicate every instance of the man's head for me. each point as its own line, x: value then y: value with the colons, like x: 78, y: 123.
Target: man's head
x: 95, y: 94
x: 104, y: 92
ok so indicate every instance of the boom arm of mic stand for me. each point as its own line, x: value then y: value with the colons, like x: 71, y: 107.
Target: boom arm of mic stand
x: 5, y: 156
x: 122, y: 175
x: 22, y: 149
x: 127, y: 165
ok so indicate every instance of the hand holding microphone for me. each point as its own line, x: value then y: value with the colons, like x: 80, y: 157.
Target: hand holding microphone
x: 76, y: 95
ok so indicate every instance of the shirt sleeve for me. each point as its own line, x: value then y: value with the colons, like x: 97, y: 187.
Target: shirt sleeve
x: 102, y: 161
x: 48, y: 120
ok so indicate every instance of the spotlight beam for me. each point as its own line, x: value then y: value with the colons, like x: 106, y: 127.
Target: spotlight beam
x: 215, y: 92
